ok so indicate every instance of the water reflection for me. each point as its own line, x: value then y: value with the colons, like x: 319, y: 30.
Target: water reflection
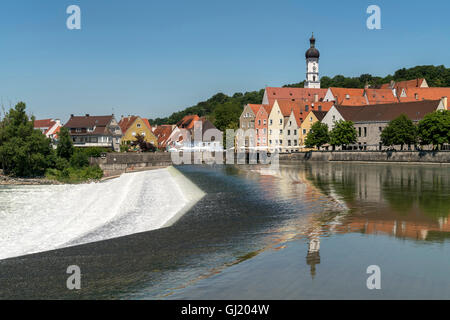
x: 405, y: 201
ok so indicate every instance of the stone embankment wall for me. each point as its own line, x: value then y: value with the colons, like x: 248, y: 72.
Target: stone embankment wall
x: 371, y: 156
x: 118, y: 163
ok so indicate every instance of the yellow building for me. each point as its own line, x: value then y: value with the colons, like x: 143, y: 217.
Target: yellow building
x: 311, y: 118
x: 132, y: 126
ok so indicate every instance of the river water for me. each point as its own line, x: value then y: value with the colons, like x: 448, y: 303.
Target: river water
x: 305, y: 231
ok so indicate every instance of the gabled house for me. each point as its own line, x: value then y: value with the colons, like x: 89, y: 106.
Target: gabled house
x: 163, y: 133
x: 369, y: 121
x: 49, y: 127
x: 188, y: 121
x: 95, y: 131
x: 311, y: 118
x: 132, y: 126
x: 262, y: 125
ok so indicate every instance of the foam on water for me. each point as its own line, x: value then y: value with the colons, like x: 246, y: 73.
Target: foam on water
x: 41, y: 218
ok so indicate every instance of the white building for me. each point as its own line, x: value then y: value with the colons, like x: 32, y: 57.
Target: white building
x: 312, y: 66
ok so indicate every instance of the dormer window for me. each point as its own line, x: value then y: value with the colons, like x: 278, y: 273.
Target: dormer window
x: 138, y: 125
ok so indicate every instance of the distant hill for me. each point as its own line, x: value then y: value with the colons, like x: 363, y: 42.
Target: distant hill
x: 224, y: 111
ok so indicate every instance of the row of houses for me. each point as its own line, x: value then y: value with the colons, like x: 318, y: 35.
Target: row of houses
x: 286, y: 115
x: 107, y: 132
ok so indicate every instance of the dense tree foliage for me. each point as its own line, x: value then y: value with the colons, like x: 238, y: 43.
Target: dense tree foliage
x: 343, y: 134
x: 65, y: 145
x: 24, y: 151
x: 317, y: 136
x: 399, y: 132
x: 27, y: 152
x: 143, y: 145
x: 434, y: 128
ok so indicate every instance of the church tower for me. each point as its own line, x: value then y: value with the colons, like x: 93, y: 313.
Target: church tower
x: 312, y: 66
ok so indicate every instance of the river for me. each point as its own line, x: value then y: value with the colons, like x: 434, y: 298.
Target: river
x: 305, y: 231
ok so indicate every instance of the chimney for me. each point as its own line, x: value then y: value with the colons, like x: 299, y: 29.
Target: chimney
x: 416, y: 95
x: 347, y: 96
x: 71, y: 115
x: 87, y: 115
x: 392, y: 84
x: 316, y: 98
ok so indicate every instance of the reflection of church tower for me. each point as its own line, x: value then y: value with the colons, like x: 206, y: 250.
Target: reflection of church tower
x: 312, y: 65
x: 313, y: 256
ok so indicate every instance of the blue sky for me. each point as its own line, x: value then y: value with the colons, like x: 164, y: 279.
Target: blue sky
x: 152, y: 58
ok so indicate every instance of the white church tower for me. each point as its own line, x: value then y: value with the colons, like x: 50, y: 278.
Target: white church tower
x: 312, y: 66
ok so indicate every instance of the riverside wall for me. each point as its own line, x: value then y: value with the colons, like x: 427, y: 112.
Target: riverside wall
x: 117, y: 163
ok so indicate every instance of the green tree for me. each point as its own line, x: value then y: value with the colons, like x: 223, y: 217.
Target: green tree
x: 24, y: 151
x: 400, y: 131
x: 227, y: 116
x: 434, y: 129
x: 343, y: 134
x: 65, y: 145
x: 317, y: 136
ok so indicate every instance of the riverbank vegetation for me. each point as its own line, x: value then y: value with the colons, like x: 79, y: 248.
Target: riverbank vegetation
x: 27, y: 153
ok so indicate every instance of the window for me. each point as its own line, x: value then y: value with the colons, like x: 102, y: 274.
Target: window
x: 380, y: 129
x: 270, y: 141
x: 281, y: 121
x: 133, y: 134
x: 295, y: 143
x: 138, y: 125
x: 259, y: 122
x: 78, y: 129
x: 281, y: 131
x: 289, y: 143
x: 334, y: 118
x: 289, y: 132
x: 304, y: 131
x: 264, y: 140
x: 306, y: 108
x: 264, y: 130
x: 320, y: 108
x: 310, y: 119
x: 270, y: 131
x: 365, y: 131
x: 281, y: 141
x: 290, y: 123
x: 271, y: 121
x: 359, y: 131
x: 295, y: 132
x: 265, y: 121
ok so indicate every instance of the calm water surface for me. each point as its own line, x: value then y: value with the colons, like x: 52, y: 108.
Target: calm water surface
x: 306, y: 231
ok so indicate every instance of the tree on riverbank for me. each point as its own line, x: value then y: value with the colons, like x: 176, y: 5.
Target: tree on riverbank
x: 317, y: 136
x: 434, y: 129
x: 343, y: 134
x: 399, y: 132
x: 24, y: 151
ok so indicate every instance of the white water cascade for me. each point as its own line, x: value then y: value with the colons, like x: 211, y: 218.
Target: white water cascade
x: 42, y: 218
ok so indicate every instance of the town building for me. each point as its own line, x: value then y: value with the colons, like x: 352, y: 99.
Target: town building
x: 369, y: 121
x: 163, y: 134
x: 49, y: 127
x: 132, y: 126
x: 262, y: 126
x: 312, y: 117
x: 95, y: 131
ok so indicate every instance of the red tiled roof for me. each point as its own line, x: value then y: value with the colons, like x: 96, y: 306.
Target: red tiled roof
x: 379, y: 96
x: 255, y: 107
x: 188, y: 121
x: 147, y: 123
x: 415, y: 83
x: 46, y: 123
x: 294, y: 94
x: 163, y: 133
x: 88, y: 121
x: 425, y: 94
x: 348, y: 96
x: 126, y: 122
